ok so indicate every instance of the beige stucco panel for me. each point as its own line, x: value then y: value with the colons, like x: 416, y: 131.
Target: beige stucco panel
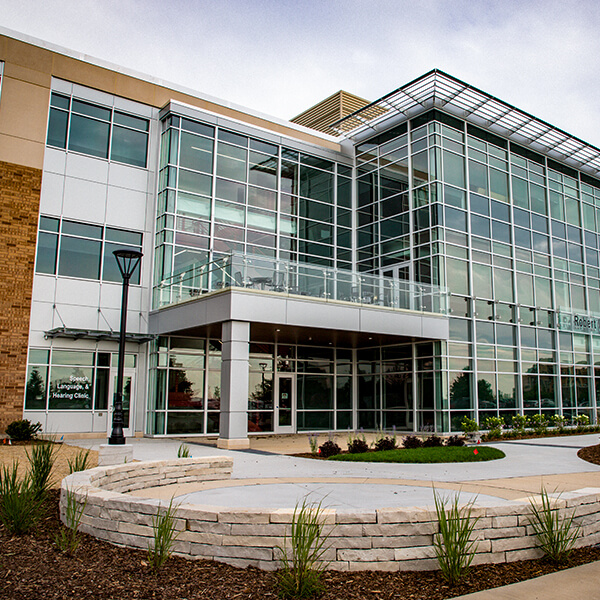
x: 23, y: 152
x: 27, y: 75
x: 23, y: 122
x: 83, y: 73
x: 136, y: 89
x: 25, y: 55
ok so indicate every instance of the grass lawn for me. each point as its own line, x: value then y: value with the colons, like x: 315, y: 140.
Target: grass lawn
x: 444, y: 454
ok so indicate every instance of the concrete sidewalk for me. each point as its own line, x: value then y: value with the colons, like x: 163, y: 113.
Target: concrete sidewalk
x: 529, y: 465
x: 578, y: 583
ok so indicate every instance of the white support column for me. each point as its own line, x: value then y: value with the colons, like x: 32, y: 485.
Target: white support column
x: 233, y: 432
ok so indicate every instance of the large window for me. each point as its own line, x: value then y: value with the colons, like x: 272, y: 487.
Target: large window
x: 97, y: 130
x: 69, y: 380
x: 75, y: 249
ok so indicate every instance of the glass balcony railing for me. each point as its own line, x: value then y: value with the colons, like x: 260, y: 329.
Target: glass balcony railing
x: 284, y: 278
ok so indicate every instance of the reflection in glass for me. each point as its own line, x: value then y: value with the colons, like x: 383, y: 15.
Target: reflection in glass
x: 260, y: 391
x: 186, y: 388
x: 35, y: 390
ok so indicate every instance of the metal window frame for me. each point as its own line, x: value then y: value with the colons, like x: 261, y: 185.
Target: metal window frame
x: 437, y: 89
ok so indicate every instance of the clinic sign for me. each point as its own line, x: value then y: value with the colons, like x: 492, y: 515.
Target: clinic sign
x: 579, y: 323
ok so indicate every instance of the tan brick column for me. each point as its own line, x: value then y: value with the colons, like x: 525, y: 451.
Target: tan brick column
x: 19, y: 206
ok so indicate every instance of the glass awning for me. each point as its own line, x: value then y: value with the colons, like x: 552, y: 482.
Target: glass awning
x: 437, y: 89
x: 88, y: 334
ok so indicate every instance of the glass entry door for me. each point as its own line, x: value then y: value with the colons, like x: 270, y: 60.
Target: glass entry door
x: 128, y: 396
x: 285, y: 403
x: 401, y: 297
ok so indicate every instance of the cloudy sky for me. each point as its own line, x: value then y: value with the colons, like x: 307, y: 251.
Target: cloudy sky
x: 282, y: 56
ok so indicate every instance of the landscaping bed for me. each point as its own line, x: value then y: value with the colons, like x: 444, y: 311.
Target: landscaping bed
x: 63, y: 453
x: 31, y: 567
x: 444, y: 454
x: 591, y: 454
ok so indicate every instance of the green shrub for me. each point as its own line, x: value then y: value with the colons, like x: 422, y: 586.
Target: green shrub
x: 469, y: 425
x: 80, y: 462
x: 301, y: 570
x: 538, y: 422
x: 582, y: 422
x: 494, y: 425
x: 511, y: 434
x: 558, y: 421
x: 433, y: 441
x: 41, y: 461
x: 519, y: 423
x: 163, y: 525
x: 20, y: 505
x: 183, y: 451
x: 313, y: 441
x: 67, y: 539
x: 412, y: 441
x: 329, y: 448
x: 556, y: 534
x: 454, y: 549
x: 23, y: 430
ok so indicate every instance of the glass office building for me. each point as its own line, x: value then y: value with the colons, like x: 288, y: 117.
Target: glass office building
x: 431, y: 255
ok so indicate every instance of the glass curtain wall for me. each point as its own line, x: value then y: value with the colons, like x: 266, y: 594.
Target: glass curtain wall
x: 185, y: 388
x: 220, y: 191
x: 514, y: 236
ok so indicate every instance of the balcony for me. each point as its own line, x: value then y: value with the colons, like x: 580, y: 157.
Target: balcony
x: 281, y: 278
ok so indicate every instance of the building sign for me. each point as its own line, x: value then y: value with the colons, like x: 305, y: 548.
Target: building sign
x: 71, y: 388
x: 579, y: 323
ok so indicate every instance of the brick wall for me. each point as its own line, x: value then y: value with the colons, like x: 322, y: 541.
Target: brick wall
x: 19, y: 206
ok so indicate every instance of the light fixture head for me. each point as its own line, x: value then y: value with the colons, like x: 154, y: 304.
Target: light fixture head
x: 127, y: 260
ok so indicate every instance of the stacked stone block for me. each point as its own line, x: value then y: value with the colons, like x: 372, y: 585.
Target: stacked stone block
x: 387, y: 539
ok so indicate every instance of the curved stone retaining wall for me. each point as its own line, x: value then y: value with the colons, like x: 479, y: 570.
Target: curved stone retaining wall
x: 388, y: 539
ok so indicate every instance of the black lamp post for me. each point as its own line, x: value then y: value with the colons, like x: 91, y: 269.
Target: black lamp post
x: 128, y: 260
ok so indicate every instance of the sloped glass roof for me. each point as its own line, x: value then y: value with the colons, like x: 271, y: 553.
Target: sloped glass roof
x: 437, y: 89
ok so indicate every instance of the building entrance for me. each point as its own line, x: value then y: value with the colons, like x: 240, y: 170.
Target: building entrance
x: 128, y: 395
x: 285, y: 403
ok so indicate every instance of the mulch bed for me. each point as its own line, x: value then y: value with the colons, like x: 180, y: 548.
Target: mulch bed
x: 31, y: 567
x: 591, y: 454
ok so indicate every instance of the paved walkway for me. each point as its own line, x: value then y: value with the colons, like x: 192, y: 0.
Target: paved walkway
x: 265, y: 477
x: 578, y: 583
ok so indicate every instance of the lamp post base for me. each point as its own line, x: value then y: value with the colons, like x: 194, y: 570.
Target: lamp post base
x: 116, y: 440
x: 115, y: 454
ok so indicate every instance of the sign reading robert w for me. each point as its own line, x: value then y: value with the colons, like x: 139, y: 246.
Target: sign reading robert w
x: 579, y: 323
